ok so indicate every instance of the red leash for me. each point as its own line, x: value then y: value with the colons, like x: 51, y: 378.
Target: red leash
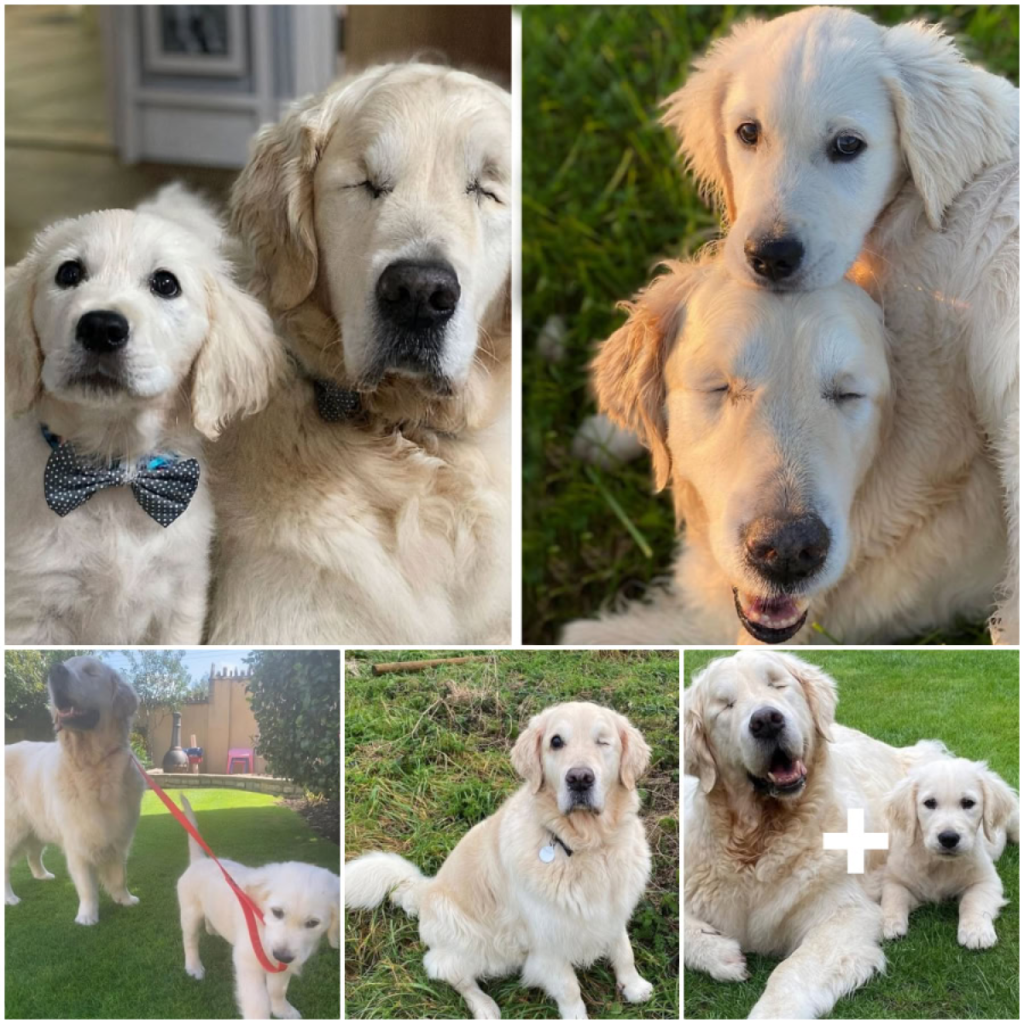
x: 249, y: 907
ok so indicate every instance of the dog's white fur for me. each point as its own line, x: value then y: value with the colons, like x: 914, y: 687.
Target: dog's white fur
x: 107, y: 572
x: 901, y: 475
x: 958, y: 797
x: 300, y: 904
x: 927, y: 214
x: 496, y: 906
x: 82, y: 793
x: 393, y: 527
x: 757, y: 878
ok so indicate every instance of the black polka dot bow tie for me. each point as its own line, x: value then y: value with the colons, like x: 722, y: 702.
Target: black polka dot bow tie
x: 163, y: 485
x: 335, y: 403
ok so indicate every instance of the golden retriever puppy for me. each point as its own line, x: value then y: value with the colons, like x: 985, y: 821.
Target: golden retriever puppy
x: 128, y: 348
x: 832, y: 142
x: 546, y: 884
x: 82, y: 792
x: 821, y: 476
x: 948, y: 822
x: 768, y: 772
x: 300, y: 905
x: 369, y: 503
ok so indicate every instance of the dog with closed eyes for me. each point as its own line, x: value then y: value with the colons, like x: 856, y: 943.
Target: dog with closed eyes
x: 129, y: 347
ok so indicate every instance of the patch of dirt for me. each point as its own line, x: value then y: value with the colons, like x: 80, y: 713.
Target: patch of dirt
x: 322, y: 816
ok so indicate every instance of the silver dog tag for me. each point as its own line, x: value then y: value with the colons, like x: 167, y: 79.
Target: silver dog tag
x: 547, y: 854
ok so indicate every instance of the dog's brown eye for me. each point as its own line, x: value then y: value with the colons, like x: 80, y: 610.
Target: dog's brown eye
x: 70, y: 274
x: 966, y: 803
x: 557, y: 742
x: 313, y: 923
x: 846, y: 147
x: 165, y: 284
x: 930, y: 804
x: 475, y: 188
x: 749, y: 133
x: 277, y: 913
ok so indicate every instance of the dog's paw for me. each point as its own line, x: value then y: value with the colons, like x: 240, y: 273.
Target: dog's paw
x: 894, y: 927
x: 127, y: 900
x: 485, y: 1008
x: 977, y: 934
x: 285, y: 1011
x: 197, y: 971
x: 725, y: 960
x: 636, y: 991
x: 573, y: 1011
x: 87, y: 917
x: 11, y: 900
x: 46, y: 876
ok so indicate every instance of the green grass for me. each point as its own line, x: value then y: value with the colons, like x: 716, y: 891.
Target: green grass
x: 426, y: 758
x: 131, y: 964
x: 603, y: 201
x: 969, y: 700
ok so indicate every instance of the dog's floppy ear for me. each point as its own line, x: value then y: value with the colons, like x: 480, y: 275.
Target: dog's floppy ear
x: 697, y: 757
x: 257, y: 888
x: 272, y: 204
x: 1001, y: 803
x: 526, y: 753
x: 819, y: 689
x: 126, y: 701
x: 954, y: 118
x: 636, y: 754
x: 629, y: 368
x: 240, y: 360
x: 23, y: 360
x: 694, y: 113
x: 900, y: 809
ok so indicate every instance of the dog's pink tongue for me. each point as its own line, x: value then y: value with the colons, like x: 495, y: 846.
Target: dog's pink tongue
x: 785, y: 776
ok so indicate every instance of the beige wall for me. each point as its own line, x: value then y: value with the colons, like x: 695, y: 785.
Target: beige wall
x: 222, y: 722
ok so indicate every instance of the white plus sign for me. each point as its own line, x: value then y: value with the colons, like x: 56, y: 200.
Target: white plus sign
x: 855, y: 841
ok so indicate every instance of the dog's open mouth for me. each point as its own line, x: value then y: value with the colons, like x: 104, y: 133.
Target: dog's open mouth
x: 786, y: 775
x: 772, y: 620
x: 71, y: 717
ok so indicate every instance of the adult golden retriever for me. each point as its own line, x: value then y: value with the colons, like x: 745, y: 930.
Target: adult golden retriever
x: 548, y: 882
x: 822, y: 473
x: 768, y: 772
x: 82, y: 792
x: 370, y: 501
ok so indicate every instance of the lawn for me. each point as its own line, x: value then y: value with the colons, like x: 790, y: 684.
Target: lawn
x: 603, y: 201
x: 970, y: 701
x: 426, y: 758
x: 131, y: 964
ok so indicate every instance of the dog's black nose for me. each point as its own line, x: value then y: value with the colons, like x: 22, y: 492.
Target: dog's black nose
x: 416, y: 295
x: 774, y: 258
x: 786, y: 551
x: 579, y: 779
x: 949, y: 839
x: 102, y: 330
x: 283, y: 956
x: 767, y: 723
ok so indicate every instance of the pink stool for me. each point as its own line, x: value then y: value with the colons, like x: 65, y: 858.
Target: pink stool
x: 243, y: 754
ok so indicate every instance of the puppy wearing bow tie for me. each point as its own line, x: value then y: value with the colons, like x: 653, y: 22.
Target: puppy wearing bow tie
x: 128, y: 347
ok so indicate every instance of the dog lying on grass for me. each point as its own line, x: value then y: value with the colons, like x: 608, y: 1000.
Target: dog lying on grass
x: 300, y: 903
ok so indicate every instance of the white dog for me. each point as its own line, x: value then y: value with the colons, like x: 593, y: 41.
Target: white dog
x: 834, y: 143
x: 379, y: 219
x: 771, y: 772
x: 300, y: 904
x: 948, y: 821
x: 127, y: 345
x: 821, y: 478
x: 546, y: 884
x: 82, y: 792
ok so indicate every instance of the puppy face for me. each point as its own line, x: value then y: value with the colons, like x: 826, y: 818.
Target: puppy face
x: 300, y: 905
x: 119, y: 308
x: 87, y: 696
x: 755, y: 720
x: 413, y: 222
x: 580, y: 752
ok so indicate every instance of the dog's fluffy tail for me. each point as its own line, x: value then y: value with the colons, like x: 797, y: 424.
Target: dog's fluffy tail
x: 369, y: 879
x: 195, y: 851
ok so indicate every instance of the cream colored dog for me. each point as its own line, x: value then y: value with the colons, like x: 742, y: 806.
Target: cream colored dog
x: 300, y: 905
x: 821, y: 477
x: 546, y: 884
x: 369, y: 503
x: 948, y: 821
x: 768, y: 772
x: 834, y: 143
